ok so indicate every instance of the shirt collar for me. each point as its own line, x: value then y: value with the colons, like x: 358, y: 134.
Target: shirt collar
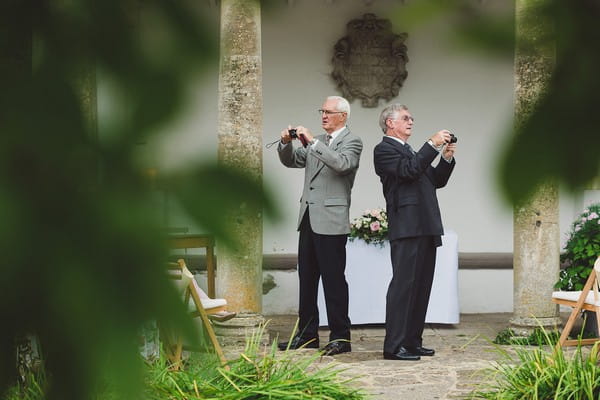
x: 334, y: 134
x: 402, y: 142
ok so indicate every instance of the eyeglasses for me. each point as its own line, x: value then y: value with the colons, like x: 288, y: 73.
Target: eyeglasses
x: 404, y: 118
x: 329, y: 112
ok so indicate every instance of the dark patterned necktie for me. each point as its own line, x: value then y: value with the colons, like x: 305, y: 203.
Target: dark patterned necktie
x: 328, y: 140
x: 409, y: 148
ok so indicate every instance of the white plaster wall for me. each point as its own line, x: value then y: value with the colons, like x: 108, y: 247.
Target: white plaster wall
x: 485, y: 291
x: 283, y: 298
x: 446, y: 88
x: 480, y: 291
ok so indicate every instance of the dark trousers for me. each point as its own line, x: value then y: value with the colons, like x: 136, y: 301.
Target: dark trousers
x: 413, y: 263
x: 322, y: 256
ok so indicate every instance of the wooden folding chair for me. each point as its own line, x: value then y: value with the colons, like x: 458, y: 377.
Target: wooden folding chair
x: 586, y: 299
x: 202, y: 307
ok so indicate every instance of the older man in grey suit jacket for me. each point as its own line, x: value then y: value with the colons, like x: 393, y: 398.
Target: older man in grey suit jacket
x: 330, y: 162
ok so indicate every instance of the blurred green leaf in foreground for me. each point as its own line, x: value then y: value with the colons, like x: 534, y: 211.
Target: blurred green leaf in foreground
x: 558, y: 139
x: 555, y: 138
x: 82, y: 249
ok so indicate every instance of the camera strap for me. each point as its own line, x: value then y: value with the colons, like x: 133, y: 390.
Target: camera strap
x: 268, y: 145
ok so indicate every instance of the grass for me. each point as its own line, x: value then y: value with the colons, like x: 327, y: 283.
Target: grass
x: 543, y: 373
x: 260, y: 372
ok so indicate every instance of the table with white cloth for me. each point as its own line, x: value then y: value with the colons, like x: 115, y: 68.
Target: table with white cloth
x: 369, y: 271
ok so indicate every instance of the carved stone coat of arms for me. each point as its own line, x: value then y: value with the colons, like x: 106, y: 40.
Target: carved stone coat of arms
x: 370, y: 62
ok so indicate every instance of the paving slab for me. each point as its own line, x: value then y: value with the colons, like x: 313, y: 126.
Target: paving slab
x: 463, y: 351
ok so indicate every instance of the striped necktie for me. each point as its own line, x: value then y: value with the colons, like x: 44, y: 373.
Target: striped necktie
x: 409, y: 148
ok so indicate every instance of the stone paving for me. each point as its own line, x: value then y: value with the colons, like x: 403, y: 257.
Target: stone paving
x: 462, y: 352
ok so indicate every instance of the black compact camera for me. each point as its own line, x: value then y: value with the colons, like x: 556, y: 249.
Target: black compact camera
x: 453, y: 139
x: 294, y: 135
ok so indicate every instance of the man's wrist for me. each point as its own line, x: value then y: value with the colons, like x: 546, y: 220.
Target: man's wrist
x: 437, y: 148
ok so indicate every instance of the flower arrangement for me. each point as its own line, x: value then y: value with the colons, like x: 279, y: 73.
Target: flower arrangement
x: 371, y: 226
x: 581, y: 250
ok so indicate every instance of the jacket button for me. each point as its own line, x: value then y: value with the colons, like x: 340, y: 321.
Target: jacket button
x: 311, y: 188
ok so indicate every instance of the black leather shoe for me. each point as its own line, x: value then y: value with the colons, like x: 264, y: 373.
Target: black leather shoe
x: 299, y: 342
x: 422, y: 351
x: 333, y: 348
x: 402, y: 354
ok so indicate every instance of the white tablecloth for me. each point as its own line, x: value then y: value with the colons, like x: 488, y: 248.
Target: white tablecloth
x: 369, y: 271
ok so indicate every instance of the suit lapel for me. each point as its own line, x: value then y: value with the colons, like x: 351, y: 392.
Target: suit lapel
x: 338, y: 140
x: 396, y: 144
x: 334, y: 145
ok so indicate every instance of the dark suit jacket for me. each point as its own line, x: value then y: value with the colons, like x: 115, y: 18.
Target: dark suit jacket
x: 409, y: 185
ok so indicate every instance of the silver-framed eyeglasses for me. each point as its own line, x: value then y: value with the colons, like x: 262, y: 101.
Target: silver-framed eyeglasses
x: 404, y: 118
x: 329, y: 112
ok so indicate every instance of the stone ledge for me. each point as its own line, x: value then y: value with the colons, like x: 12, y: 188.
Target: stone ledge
x: 485, y: 260
x: 284, y: 262
x: 465, y: 261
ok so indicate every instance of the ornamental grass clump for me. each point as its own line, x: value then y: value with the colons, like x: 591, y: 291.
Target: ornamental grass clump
x: 543, y: 373
x: 263, y: 372
x: 372, y: 227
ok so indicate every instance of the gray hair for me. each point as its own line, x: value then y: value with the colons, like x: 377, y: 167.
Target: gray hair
x: 342, y: 104
x: 390, y: 112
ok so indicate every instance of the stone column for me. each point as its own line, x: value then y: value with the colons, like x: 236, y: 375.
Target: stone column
x: 239, y: 269
x: 536, y: 222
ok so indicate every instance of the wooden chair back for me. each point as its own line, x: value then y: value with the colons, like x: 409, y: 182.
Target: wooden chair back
x: 184, y: 280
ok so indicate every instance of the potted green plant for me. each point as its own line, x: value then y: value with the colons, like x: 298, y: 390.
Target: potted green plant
x: 581, y: 250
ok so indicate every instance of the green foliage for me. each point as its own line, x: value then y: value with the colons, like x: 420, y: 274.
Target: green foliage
x: 259, y: 373
x: 539, y: 147
x: 554, y: 138
x: 581, y: 250
x: 31, y: 389
x: 543, y: 374
x: 265, y: 373
x: 83, y: 246
x: 372, y: 227
x: 539, y: 337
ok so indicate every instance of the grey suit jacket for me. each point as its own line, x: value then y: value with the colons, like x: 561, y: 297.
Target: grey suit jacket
x: 328, y: 180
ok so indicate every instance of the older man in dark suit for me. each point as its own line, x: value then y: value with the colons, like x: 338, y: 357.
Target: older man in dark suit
x: 330, y: 162
x: 415, y: 226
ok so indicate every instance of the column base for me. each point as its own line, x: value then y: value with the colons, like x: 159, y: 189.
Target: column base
x: 245, y: 326
x: 524, y: 326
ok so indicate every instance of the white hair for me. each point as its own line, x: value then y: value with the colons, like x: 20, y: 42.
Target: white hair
x: 342, y: 104
x: 390, y: 112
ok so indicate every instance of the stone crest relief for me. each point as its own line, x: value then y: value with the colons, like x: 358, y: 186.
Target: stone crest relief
x: 370, y: 62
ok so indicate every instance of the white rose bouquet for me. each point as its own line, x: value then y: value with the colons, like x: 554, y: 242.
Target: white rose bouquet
x: 372, y: 226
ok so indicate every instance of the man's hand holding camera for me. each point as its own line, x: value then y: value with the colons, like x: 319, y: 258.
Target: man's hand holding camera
x: 441, y: 138
x: 299, y: 132
x: 444, y: 137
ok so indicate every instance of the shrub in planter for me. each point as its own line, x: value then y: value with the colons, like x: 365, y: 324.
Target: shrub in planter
x: 581, y: 250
